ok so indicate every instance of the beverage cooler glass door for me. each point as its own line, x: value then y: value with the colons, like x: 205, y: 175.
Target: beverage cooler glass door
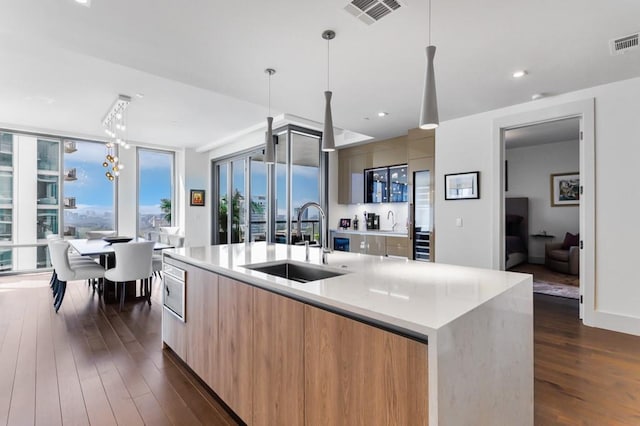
x: 422, y: 215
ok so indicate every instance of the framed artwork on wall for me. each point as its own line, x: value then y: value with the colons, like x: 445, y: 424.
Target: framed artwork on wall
x: 462, y: 186
x: 565, y: 189
x: 197, y: 197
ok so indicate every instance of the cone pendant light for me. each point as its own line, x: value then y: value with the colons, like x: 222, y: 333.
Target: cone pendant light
x: 269, y: 149
x: 328, y: 139
x: 429, y: 111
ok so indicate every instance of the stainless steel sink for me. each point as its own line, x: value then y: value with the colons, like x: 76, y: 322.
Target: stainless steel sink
x: 295, y: 271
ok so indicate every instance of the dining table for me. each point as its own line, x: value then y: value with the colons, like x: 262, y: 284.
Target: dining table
x: 103, y: 250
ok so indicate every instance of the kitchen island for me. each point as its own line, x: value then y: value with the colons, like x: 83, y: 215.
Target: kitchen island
x: 387, y: 341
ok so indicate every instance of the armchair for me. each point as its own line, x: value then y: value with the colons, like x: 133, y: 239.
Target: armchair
x: 558, y: 259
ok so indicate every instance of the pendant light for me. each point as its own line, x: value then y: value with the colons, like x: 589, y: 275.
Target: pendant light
x: 328, y: 139
x: 269, y: 151
x: 429, y: 111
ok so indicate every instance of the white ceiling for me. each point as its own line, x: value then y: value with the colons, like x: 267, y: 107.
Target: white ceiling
x: 543, y: 133
x: 200, y: 63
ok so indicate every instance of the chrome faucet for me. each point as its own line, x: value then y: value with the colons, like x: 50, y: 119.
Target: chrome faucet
x: 393, y: 218
x: 323, y: 236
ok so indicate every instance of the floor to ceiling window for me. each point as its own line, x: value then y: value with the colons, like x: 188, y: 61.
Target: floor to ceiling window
x: 305, y: 185
x: 258, y: 192
x: 155, y: 190
x: 6, y: 198
x: 57, y: 187
x: 258, y: 204
x: 89, y: 197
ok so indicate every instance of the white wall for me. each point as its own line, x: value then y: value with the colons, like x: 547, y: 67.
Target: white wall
x: 197, y: 220
x: 529, y: 176
x: 466, y: 144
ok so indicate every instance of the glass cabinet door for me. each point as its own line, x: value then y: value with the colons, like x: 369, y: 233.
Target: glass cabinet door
x: 376, y: 181
x: 398, y: 184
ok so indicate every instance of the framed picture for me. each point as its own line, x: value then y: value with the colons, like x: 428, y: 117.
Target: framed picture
x: 197, y: 197
x: 462, y: 186
x: 565, y: 189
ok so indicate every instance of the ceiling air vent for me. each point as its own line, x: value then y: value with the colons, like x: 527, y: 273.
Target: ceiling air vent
x: 624, y: 44
x: 371, y: 11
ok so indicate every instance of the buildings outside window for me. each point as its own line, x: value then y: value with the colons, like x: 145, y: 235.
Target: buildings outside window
x: 89, y: 197
x: 155, y: 190
x: 53, y: 176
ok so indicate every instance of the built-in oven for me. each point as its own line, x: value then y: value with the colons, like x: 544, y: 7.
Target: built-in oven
x: 341, y: 243
x: 173, y: 293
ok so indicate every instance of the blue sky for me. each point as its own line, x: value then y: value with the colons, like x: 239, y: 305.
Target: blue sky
x: 94, y: 191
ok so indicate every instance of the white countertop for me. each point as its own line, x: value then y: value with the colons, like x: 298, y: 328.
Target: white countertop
x: 380, y: 232
x: 416, y: 296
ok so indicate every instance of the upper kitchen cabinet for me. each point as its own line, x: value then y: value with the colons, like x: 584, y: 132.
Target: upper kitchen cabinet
x: 357, y: 163
x: 377, y: 185
x: 386, y: 184
x: 398, y: 184
x: 351, y: 176
x: 421, y: 143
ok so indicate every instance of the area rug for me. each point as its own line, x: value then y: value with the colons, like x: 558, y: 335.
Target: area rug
x: 554, y: 289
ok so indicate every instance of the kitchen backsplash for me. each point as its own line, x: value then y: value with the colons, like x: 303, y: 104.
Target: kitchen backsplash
x: 400, y: 211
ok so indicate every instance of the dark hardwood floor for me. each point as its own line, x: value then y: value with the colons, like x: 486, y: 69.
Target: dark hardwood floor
x: 91, y: 364
x: 583, y: 375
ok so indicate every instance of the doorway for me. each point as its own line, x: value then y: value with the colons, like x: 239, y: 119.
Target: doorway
x: 584, y: 111
x: 542, y: 220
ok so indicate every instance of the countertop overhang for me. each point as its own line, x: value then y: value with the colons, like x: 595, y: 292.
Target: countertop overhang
x: 415, y: 296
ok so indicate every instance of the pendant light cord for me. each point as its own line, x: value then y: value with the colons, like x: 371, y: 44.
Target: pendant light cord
x: 269, y: 94
x: 429, y: 22
x: 328, y: 40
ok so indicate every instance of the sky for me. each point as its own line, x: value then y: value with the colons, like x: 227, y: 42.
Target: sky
x: 92, y: 189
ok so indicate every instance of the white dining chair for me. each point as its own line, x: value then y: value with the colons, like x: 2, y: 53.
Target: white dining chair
x: 133, y: 262
x: 66, y: 271
x: 75, y: 260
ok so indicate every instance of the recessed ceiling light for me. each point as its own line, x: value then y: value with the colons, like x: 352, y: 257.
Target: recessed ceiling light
x: 84, y: 2
x: 537, y: 96
x: 383, y: 114
x: 519, y: 74
x: 139, y: 95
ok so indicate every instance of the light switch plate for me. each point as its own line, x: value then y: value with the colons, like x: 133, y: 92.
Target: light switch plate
x: 459, y: 222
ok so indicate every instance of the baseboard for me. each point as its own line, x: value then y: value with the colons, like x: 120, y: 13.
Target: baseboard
x: 614, y: 322
x: 536, y: 260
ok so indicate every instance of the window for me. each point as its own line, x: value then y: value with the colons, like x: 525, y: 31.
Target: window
x: 296, y: 178
x: 89, y: 197
x: 258, y: 207
x: 155, y: 190
x: 62, y: 190
x: 6, y: 190
x: 305, y: 185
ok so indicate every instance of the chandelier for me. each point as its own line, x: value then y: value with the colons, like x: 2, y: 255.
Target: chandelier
x: 115, y: 126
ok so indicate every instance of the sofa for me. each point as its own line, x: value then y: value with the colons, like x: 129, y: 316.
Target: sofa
x: 563, y: 257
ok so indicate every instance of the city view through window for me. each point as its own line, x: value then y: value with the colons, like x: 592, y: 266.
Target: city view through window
x: 302, y: 186
x: 155, y: 190
x: 88, y: 194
